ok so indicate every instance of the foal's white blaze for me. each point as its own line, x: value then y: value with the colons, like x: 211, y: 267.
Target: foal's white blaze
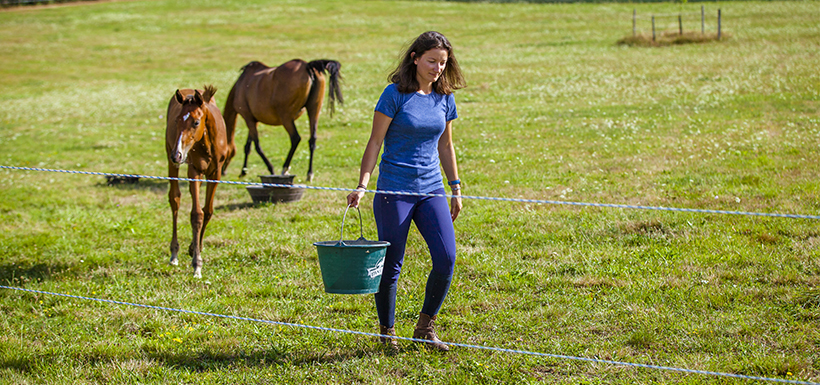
x: 185, y: 118
x: 181, y: 153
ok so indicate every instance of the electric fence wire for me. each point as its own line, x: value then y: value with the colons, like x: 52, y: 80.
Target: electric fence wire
x: 469, y: 346
x: 498, y: 199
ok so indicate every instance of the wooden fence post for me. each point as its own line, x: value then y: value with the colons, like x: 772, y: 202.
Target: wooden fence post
x: 680, y: 25
x: 718, y: 24
x: 653, y: 27
x: 634, y: 15
x: 702, y: 20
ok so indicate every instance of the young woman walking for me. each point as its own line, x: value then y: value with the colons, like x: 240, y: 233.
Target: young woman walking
x: 413, y: 120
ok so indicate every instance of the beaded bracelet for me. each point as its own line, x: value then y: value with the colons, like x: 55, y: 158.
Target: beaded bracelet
x: 361, y: 186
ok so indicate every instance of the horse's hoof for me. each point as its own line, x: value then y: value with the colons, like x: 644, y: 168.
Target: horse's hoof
x: 198, y: 273
x: 173, y: 262
x: 309, y: 177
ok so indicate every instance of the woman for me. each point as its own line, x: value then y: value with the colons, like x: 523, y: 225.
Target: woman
x: 413, y: 119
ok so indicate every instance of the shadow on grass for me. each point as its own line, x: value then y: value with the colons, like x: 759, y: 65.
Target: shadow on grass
x: 208, y: 361
x: 153, y: 185
x: 236, y: 206
x: 158, y: 186
x: 17, y: 274
x: 196, y: 361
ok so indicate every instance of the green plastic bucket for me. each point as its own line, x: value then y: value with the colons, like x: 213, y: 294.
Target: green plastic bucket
x: 351, y: 267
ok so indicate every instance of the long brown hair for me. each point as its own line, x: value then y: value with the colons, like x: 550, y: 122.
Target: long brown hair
x: 404, y: 76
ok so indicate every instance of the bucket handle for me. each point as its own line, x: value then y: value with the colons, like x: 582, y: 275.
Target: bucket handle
x: 361, y: 230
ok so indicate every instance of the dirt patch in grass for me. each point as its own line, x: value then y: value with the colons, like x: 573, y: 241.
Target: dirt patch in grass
x: 648, y: 227
x: 672, y: 38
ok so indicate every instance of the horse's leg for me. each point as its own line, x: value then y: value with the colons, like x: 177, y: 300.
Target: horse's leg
x: 313, y: 116
x: 173, y: 198
x: 253, y: 137
x: 262, y: 155
x: 290, y: 127
x: 314, y: 108
x: 197, y: 219
x: 251, y: 134
x: 247, y: 151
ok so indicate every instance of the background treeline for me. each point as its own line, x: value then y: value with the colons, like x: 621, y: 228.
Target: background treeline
x: 14, y: 3
x: 585, y: 1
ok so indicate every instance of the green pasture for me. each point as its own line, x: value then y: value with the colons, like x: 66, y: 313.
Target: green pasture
x: 555, y: 110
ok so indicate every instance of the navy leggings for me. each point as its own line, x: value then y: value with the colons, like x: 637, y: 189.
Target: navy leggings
x: 432, y: 217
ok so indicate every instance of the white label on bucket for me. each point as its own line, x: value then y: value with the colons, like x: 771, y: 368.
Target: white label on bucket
x: 376, y: 271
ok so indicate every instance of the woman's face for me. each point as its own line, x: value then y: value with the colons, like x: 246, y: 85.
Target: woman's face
x: 430, y: 65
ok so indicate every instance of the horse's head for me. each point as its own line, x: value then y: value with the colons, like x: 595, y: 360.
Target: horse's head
x: 190, y: 124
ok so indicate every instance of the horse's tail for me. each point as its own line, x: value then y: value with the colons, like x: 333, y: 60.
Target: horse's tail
x: 334, y: 69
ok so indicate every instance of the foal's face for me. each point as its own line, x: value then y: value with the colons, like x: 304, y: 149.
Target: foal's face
x: 190, y: 128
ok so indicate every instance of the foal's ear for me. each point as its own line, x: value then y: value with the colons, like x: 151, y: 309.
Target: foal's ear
x: 178, y: 96
x: 198, y: 99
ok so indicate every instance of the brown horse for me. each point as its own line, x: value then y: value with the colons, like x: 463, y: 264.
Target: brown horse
x: 196, y: 134
x: 278, y: 96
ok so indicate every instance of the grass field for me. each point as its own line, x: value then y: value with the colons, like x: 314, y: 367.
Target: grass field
x: 555, y: 110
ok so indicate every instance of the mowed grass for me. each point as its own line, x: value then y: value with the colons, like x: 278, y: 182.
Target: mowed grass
x: 555, y: 110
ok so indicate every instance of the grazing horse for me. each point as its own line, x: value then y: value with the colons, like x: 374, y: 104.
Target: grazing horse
x: 277, y: 96
x: 196, y: 134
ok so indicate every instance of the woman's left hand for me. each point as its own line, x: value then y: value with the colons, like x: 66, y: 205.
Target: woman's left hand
x: 455, y: 205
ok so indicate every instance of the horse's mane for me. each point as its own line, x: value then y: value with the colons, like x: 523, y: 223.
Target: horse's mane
x: 210, y: 90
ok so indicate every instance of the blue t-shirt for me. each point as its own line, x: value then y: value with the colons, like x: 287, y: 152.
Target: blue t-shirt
x: 410, y: 158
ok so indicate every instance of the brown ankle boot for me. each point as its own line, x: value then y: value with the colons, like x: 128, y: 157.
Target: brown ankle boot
x: 390, y: 343
x: 424, y: 330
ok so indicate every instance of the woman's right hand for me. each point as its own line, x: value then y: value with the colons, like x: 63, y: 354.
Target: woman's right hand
x: 354, y: 198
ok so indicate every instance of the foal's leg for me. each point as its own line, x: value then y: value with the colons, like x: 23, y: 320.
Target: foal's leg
x: 290, y: 127
x: 209, y: 207
x: 197, y: 219
x: 173, y: 199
